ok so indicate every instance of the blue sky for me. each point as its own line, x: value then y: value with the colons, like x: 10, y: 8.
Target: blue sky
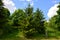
x: 43, y: 5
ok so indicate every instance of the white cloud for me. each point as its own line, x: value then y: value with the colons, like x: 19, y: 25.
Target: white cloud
x: 32, y: 3
x: 52, y: 11
x: 10, y: 5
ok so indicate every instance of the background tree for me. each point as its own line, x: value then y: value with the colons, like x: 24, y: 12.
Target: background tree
x: 54, y: 23
x: 1, y: 3
x: 28, y: 29
x: 18, y: 19
x: 58, y: 17
x: 35, y: 22
x: 39, y: 22
x: 4, y: 18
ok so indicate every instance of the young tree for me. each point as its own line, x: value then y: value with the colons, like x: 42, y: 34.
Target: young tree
x: 28, y: 30
x: 55, y: 20
x: 58, y: 12
x: 4, y: 17
x: 36, y: 22
x: 58, y: 17
x: 1, y: 3
x: 19, y: 19
x: 39, y: 22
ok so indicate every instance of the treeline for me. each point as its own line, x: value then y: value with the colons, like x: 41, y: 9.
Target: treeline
x: 28, y: 22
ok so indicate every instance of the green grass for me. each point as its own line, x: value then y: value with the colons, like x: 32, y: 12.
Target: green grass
x: 52, y: 35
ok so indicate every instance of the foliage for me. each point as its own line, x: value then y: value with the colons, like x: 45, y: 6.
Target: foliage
x: 54, y: 21
x: 27, y: 21
x: 36, y: 22
x: 4, y: 19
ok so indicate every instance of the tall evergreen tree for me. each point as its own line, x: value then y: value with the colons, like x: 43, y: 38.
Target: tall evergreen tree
x: 55, y: 20
x: 29, y: 10
x: 4, y: 17
x: 58, y: 12
x: 29, y: 16
x: 58, y: 17
x: 35, y: 22
x: 18, y: 19
x: 39, y: 22
x: 1, y: 3
x: 4, y: 14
